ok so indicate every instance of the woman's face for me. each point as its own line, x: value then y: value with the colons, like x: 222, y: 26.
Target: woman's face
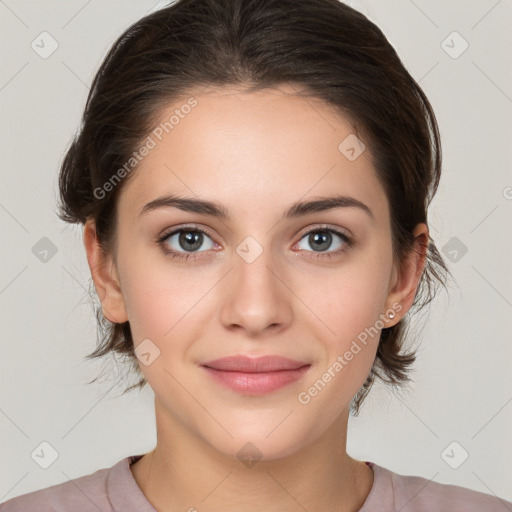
x: 255, y: 282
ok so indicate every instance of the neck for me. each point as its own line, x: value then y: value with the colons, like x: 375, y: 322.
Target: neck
x: 185, y: 473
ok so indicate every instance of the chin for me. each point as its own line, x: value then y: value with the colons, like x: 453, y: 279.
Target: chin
x: 252, y: 445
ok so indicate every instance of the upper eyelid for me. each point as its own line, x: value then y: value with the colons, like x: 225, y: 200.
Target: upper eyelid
x: 328, y: 227
x: 191, y: 227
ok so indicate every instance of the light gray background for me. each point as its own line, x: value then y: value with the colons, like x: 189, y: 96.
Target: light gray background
x: 463, y: 383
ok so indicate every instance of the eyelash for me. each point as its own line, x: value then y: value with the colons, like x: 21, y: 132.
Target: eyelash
x: 192, y: 228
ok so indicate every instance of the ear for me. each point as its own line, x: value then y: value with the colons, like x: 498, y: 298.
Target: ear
x: 406, y: 278
x: 105, y: 277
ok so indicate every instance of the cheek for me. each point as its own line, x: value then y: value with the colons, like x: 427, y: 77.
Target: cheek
x: 348, y: 318
x: 349, y: 330
x: 352, y: 300
x: 150, y: 297
x: 162, y: 301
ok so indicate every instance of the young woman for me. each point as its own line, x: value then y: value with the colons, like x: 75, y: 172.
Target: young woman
x: 253, y: 178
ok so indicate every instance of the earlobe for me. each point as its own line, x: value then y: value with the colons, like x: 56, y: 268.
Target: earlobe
x: 407, y: 278
x: 104, y: 275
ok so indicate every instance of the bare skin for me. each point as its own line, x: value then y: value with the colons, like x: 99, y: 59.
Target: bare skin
x: 255, y: 154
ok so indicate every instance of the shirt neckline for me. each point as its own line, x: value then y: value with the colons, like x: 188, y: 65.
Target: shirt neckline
x: 377, y: 498
x: 123, y: 490
x: 125, y: 494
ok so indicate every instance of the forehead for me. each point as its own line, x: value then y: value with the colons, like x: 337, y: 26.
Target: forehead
x: 234, y: 145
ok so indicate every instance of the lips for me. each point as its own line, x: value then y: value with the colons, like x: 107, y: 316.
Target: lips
x: 261, y: 364
x: 255, y: 376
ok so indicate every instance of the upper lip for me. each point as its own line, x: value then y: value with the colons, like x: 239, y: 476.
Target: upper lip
x: 261, y: 364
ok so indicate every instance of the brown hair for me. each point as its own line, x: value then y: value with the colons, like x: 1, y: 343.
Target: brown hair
x: 333, y: 52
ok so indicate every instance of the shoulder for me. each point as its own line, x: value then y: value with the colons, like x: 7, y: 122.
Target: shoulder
x: 417, y: 494
x: 84, y: 494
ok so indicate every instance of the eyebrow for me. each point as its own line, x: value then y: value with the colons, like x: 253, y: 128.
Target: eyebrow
x: 298, y: 209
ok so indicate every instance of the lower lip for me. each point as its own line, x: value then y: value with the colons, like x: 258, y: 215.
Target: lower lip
x: 256, y: 383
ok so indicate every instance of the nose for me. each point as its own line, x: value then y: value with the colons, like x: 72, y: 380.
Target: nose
x: 256, y: 296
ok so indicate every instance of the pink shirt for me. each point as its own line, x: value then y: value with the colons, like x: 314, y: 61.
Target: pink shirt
x: 115, y: 490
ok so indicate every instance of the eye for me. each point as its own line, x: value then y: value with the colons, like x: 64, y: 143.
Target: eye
x: 321, y: 239
x: 184, y: 242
